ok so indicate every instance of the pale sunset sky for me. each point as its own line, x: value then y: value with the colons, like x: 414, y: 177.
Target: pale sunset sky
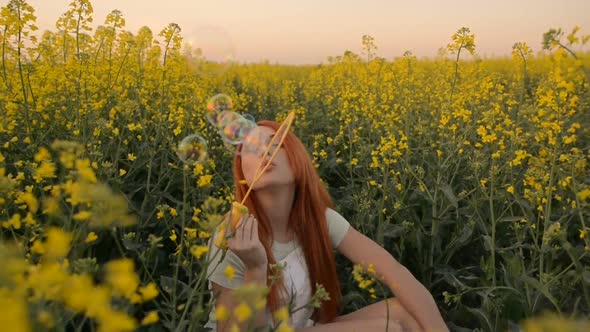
x: 308, y: 31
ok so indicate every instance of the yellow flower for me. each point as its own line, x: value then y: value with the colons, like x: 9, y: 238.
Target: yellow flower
x: 160, y: 214
x: 242, y: 312
x: 20, y: 176
x: 151, y: 318
x: 583, y: 234
x: 204, y: 180
x: 116, y: 321
x: 14, y: 222
x: 221, y: 313
x: 82, y: 215
x: 51, y: 206
x: 510, y: 189
x: 29, y: 220
x: 46, y: 319
x: 131, y: 157
x: 57, y: 244
x: 282, y: 315
x: 13, y: 312
x: 91, y: 237
x: 38, y: 247
x: 173, y: 212
x: 85, y: 171
x: 198, y: 170
x: 191, y: 233
x: 42, y: 154
x: 149, y: 292
x: 284, y: 327
x: 173, y: 236
x: 122, y: 172
x: 122, y: 278
x: 198, y: 251
x: 30, y: 200
x: 584, y: 194
x: 229, y: 272
x: 260, y: 304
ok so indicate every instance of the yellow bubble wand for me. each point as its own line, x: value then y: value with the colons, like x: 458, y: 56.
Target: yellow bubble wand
x: 239, y: 209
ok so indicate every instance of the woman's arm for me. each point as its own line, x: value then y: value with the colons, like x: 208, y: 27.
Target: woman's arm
x: 415, y: 298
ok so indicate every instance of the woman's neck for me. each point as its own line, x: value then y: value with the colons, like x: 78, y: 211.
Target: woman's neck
x: 277, y: 203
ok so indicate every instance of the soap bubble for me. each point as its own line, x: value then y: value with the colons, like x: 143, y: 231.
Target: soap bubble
x: 249, y: 117
x: 216, y: 105
x: 235, y: 131
x: 257, y: 142
x: 192, y: 149
x: 225, y: 118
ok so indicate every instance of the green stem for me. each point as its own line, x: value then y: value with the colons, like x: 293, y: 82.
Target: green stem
x: 380, y: 235
x: 4, y: 37
x: 493, y: 220
x: 547, y: 214
x: 179, y: 256
x: 580, y: 269
x: 455, y: 76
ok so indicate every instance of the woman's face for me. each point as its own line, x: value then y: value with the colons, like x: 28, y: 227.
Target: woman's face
x: 279, y: 173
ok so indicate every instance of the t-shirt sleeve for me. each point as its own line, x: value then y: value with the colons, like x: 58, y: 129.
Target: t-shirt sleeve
x: 337, y: 226
x: 217, y: 266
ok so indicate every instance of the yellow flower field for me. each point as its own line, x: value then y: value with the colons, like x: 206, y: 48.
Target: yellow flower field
x: 472, y: 172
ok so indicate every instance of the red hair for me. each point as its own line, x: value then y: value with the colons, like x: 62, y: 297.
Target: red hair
x: 307, y: 220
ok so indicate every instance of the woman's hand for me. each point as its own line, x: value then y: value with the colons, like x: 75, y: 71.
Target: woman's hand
x: 247, y: 246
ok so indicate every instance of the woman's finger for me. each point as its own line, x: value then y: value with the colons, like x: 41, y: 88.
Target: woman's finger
x: 250, y: 227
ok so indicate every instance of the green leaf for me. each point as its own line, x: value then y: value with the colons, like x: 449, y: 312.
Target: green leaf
x: 483, y: 318
x: 393, y: 231
x: 168, y: 285
x: 543, y: 289
x: 487, y: 242
x: 448, y: 191
x: 466, y: 233
x: 511, y: 219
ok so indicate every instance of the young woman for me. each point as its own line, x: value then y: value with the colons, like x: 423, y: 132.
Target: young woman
x: 291, y: 221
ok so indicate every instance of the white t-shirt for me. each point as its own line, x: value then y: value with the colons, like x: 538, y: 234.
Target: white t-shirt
x: 337, y: 228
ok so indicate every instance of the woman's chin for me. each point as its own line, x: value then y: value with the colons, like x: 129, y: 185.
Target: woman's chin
x: 267, y: 184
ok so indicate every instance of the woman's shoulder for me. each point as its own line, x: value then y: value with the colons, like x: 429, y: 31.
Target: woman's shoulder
x: 337, y: 226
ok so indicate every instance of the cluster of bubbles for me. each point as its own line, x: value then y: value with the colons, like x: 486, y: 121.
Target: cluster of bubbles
x: 239, y: 132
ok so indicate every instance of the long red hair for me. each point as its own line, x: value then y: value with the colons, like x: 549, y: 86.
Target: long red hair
x: 307, y: 220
